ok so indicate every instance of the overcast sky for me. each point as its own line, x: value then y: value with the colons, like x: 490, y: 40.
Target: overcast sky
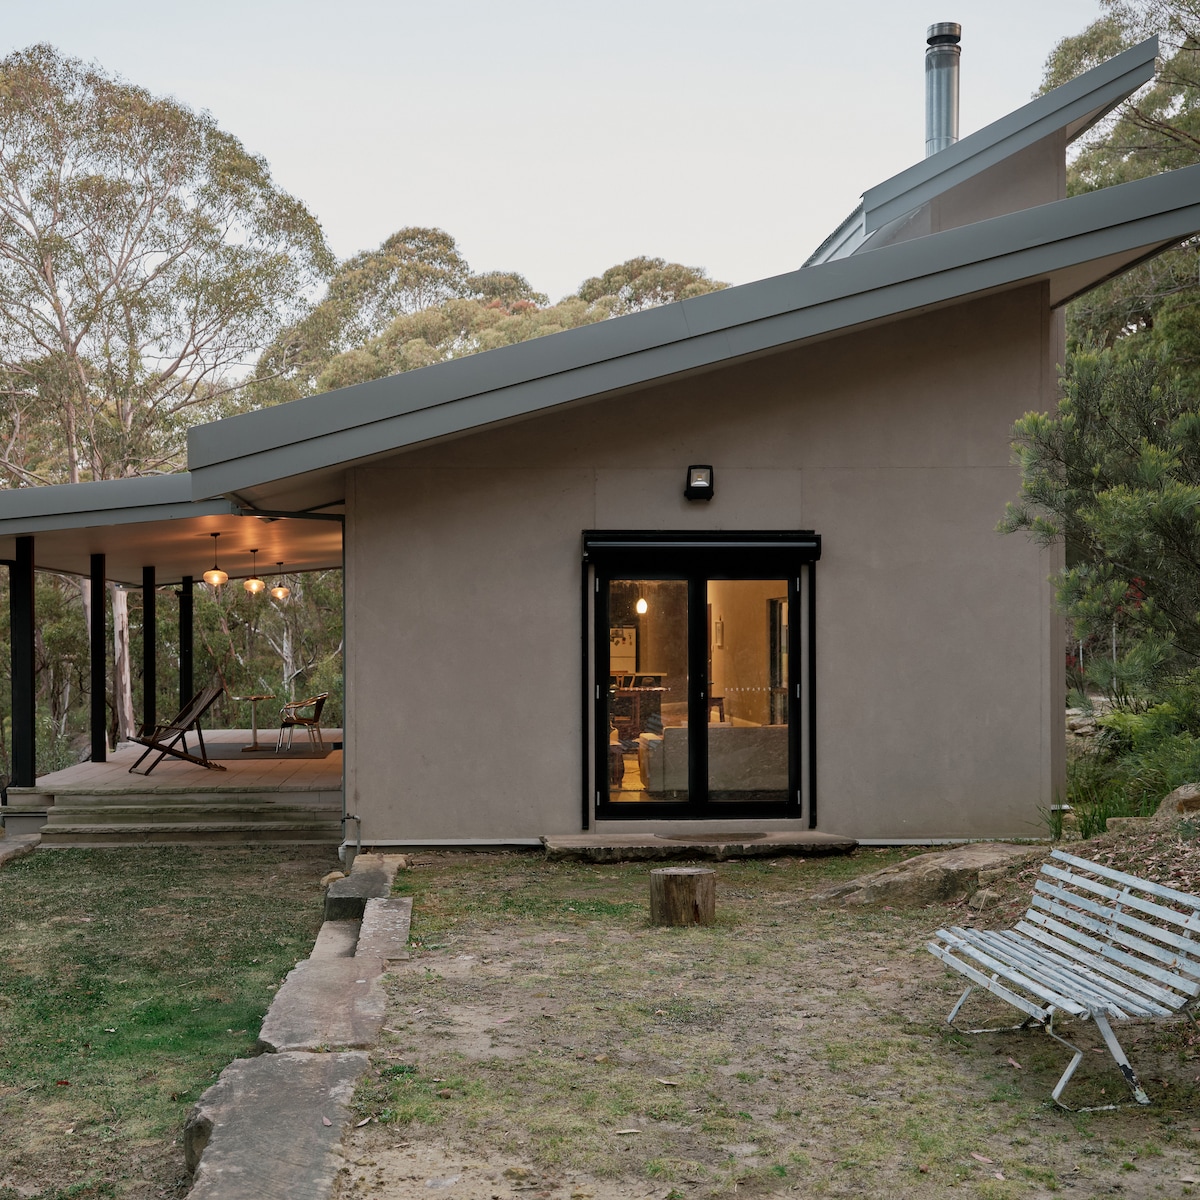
x: 556, y: 138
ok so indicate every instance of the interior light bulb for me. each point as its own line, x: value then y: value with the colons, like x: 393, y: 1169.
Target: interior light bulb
x: 642, y: 606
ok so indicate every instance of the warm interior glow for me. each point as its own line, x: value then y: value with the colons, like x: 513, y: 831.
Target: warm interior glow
x: 641, y: 606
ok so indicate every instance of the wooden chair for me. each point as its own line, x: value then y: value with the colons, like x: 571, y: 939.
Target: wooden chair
x: 163, y: 738
x: 290, y: 715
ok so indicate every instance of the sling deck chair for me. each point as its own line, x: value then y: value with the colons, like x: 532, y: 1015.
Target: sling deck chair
x: 1096, y: 944
x: 163, y: 738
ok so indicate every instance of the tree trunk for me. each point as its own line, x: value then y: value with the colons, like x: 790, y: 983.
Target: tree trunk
x: 683, y: 896
x: 122, y: 667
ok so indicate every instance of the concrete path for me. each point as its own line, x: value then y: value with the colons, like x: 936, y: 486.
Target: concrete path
x: 271, y: 1127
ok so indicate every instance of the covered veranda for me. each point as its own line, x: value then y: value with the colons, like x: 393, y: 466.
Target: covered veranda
x: 149, y: 534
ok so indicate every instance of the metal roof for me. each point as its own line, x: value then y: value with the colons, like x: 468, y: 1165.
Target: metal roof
x: 1073, y: 244
x: 153, y: 520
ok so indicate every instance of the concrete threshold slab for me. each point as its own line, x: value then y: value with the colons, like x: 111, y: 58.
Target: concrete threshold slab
x: 326, y: 1004
x: 650, y: 847
x: 271, y: 1128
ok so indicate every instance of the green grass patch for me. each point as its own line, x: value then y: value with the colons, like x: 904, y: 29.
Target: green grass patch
x: 128, y: 980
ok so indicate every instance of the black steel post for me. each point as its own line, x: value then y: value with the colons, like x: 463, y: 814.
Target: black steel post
x: 149, y: 650
x: 187, y: 688
x: 21, y: 619
x: 99, y: 655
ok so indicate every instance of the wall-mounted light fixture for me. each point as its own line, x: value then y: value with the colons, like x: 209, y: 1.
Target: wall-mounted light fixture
x: 216, y: 576
x: 280, y: 591
x: 641, y: 606
x: 254, y: 585
x: 699, y: 484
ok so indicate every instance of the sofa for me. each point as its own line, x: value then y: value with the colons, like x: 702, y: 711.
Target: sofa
x: 741, y: 758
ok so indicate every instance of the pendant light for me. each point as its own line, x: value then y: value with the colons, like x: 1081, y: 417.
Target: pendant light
x: 280, y: 591
x: 216, y: 576
x: 254, y: 585
x: 641, y: 606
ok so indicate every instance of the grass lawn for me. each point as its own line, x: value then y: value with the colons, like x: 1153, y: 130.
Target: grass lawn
x: 128, y: 980
x: 546, y: 1038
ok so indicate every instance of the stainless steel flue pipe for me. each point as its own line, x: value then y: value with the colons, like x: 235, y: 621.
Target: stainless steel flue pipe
x: 941, y: 86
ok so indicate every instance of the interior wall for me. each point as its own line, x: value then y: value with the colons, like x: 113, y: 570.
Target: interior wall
x: 937, y: 656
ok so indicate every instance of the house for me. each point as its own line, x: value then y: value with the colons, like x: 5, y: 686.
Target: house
x: 725, y: 565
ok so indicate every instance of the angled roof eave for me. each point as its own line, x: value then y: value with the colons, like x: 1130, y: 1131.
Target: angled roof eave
x: 1073, y: 107
x: 357, y: 423
x: 104, y: 502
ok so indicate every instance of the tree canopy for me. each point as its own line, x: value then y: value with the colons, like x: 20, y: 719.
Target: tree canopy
x: 145, y: 256
x: 1157, y: 130
x: 414, y: 302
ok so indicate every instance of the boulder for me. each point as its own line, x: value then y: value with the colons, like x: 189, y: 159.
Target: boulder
x: 1184, y: 801
x: 933, y: 878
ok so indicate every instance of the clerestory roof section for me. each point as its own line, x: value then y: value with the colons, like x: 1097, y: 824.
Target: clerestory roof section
x: 1071, y: 244
x: 1072, y: 108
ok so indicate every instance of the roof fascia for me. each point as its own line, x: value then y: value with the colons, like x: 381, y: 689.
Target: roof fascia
x: 1075, y: 107
x: 400, y: 411
x: 104, y: 502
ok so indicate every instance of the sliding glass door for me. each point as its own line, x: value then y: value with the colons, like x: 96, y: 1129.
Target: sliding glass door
x: 696, y: 696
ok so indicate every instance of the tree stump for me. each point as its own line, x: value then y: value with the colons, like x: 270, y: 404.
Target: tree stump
x: 683, y: 896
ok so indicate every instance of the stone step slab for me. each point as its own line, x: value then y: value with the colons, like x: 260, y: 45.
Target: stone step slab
x: 195, y: 834
x: 260, y: 1132
x: 336, y: 939
x: 222, y: 813
x: 370, y: 878
x: 385, y: 926
x: 326, y: 1004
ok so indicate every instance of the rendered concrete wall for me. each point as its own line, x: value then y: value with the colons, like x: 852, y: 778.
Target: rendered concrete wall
x: 939, y: 666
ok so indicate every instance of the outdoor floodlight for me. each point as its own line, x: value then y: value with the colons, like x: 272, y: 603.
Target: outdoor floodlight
x: 699, y: 484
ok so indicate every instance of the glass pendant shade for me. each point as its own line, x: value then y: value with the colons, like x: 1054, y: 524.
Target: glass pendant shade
x: 254, y: 585
x: 280, y: 591
x: 215, y: 577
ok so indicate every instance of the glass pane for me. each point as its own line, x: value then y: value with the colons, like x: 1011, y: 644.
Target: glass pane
x: 748, y: 682
x: 647, y: 690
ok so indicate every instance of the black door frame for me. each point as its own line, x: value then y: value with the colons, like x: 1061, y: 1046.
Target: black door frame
x: 696, y: 557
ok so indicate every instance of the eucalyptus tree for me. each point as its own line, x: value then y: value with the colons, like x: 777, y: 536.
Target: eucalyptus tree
x: 145, y: 257
x: 1157, y: 129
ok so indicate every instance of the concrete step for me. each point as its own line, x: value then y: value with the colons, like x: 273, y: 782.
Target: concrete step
x: 315, y: 833
x: 234, y: 795
x: 194, y: 814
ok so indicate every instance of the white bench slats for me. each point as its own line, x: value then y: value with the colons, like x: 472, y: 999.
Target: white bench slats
x: 1183, y: 951
x: 998, y: 989
x: 1142, y: 885
x: 1073, y: 975
x: 1031, y: 959
x: 1074, y: 930
x: 1186, y: 921
x: 955, y: 938
x: 1146, y: 987
x: 1096, y: 943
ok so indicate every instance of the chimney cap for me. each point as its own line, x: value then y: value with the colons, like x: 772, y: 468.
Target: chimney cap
x: 944, y: 33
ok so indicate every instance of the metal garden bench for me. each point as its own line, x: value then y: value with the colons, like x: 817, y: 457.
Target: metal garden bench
x: 1096, y: 943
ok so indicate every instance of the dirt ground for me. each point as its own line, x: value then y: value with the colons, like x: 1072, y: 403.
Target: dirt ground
x: 562, y: 1046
